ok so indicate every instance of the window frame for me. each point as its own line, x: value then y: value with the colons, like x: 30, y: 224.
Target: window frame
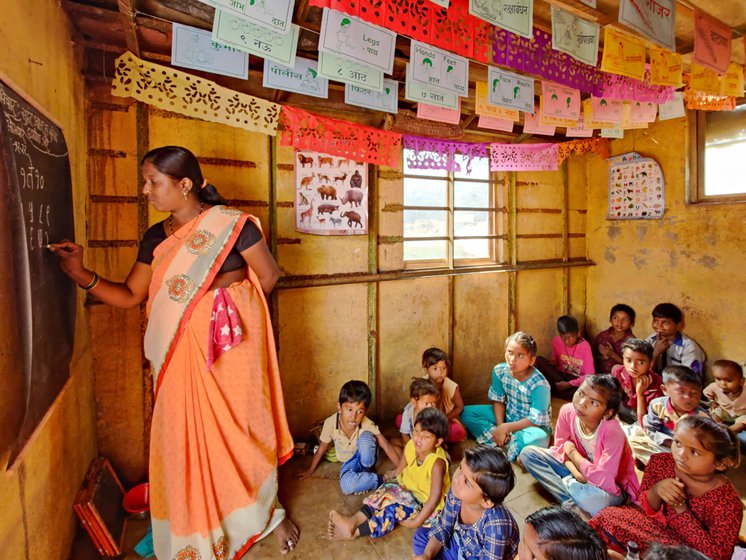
x: 695, y: 179
x: 450, y: 261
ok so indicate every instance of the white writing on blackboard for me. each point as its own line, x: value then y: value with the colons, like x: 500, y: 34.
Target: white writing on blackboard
x: 31, y: 178
x: 38, y: 225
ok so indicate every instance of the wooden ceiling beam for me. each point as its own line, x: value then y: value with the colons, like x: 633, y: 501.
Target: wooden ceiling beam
x: 127, y: 11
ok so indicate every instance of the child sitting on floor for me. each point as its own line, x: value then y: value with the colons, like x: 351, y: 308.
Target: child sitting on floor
x: 435, y: 363
x: 607, y: 346
x: 474, y: 522
x: 639, y: 383
x: 418, y: 493
x: 590, y: 463
x: 521, y: 411
x: 355, y: 438
x: 671, y: 347
x: 554, y: 533
x: 422, y: 394
x: 727, y: 397
x: 682, y: 394
x: 571, y: 359
x: 685, y: 496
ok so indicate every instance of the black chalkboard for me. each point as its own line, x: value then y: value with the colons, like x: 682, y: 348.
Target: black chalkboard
x: 36, y: 185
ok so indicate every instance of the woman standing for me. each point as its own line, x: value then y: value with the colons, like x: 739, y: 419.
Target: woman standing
x: 219, y: 428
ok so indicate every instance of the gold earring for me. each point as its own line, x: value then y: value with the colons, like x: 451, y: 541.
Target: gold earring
x: 184, y: 192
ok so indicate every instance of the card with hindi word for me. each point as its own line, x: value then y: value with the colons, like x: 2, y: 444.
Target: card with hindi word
x: 732, y: 81
x: 579, y: 131
x: 575, y: 36
x: 642, y: 111
x: 343, y: 69
x: 532, y: 125
x: 356, y: 39
x: 510, y: 90
x: 704, y: 80
x: 623, y: 54
x: 275, y: 14
x: 439, y: 69
x: 616, y: 132
x: 606, y: 110
x: 386, y: 100
x: 243, y: 34
x: 590, y: 121
x: 494, y: 123
x: 653, y: 19
x: 482, y: 105
x: 514, y: 15
x: 414, y: 91
x: 194, y: 48
x: 626, y: 123
x: 673, y: 109
x: 560, y: 101
x: 302, y: 78
x: 665, y: 67
x: 439, y: 114
x: 712, y: 42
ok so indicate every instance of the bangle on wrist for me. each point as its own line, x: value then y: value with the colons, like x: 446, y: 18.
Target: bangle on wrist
x: 93, y: 283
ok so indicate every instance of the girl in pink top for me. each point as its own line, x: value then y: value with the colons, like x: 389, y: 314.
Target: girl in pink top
x: 571, y: 360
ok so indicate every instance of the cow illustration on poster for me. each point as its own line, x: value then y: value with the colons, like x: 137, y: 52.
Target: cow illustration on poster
x: 331, y: 195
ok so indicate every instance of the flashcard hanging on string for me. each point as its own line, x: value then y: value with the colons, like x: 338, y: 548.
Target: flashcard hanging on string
x: 712, y: 42
x: 386, y: 100
x: 732, y: 81
x: 653, y: 19
x: 350, y: 71
x: 532, y: 125
x: 243, y: 34
x: 414, y: 91
x: 514, y: 15
x: 560, y: 101
x: 623, y: 54
x: 439, y: 69
x: 439, y: 114
x: 511, y: 90
x: 636, y: 188
x: 606, y: 110
x: 575, y: 36
x: 665, y: 67
x: 302, y: 78
x: 356, y: 39
x: 482, y: 105
x: 642, y: 111
x: 580, y: 130
x: 614, y: 132
x: 194, y: 48
x: 494, y: 123
x: 673, y: 109
x: 274, y: 14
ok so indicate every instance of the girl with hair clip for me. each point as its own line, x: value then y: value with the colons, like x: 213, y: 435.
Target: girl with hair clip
x: 554, y: 533
x: 219, y: 429
x: 686, y: 497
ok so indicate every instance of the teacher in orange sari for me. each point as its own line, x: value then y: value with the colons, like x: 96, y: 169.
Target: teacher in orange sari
x: 219, y: 428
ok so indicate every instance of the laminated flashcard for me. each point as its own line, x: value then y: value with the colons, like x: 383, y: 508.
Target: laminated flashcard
x: 302, y: 78
x: 243, y: 34
x: 194, y: 48
x: 356, y: 39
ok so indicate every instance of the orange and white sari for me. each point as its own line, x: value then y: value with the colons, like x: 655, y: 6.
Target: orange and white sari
x: 217, y: 436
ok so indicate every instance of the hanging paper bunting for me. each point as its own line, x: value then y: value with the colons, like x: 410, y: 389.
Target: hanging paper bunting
x: 432, y: 153
x: 654, y: 19
x: 665, y: 67
x: 704, y: 80
x: 305, y: 131
x: 700, y: 101
x: 598, y: 146
x: 712, y: 42
x: 623, y: 54
x: 575, y: 36
x: 186, y: 94
x: 626, y: 89
x: 524, y: 157
x: 482, y: 106
x: 732, y: 81
x: 516, y: 16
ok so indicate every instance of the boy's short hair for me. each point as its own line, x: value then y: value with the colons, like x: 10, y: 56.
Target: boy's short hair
x: 434, y: 421
x: 729, y: 364
x: 421, y: 387
x: 524, y: 340
x: 492, y: 472
x: 667, y: 311
x: 432, y: 356
x: 658, y: 551
x: 355, y: 392
x: 680, y: 374
x: 567, y: 325
x: 624, y: 308
x: 563, y: 535
x: 638, y: 345
x: 610, y: 387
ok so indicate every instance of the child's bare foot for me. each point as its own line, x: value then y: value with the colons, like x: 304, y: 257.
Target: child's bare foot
x: 287, y: 535
x: 341, y: 527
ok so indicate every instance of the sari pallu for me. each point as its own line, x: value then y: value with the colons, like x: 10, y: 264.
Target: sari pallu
x: 217, y: 436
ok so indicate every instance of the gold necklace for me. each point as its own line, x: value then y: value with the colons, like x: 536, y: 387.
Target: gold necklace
x: 171, y: 222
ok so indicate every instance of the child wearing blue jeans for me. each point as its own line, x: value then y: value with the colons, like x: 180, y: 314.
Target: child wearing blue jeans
x: 474, y: 522
x: 355, y: 439
x: 520, y: 413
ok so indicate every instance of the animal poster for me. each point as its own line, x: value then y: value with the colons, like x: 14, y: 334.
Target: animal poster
x: 653, y: 19
x: 439, y: 69
x: 514, y: 15
x: 331, y: 195
x: 194, y: 48
x: 636, y: 188
x: 575, y: 36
